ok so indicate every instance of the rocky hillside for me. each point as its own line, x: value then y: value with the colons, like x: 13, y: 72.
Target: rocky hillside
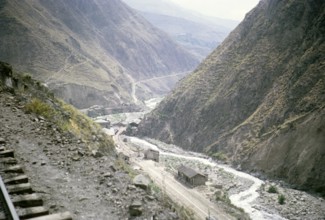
x: 89, y: 52
x: 258, y: 100
x: 69, y: 161
x: 183, y: 25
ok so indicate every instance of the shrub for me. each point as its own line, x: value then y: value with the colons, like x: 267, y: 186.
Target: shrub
x: 220, y: 156
x: 281, y: 199
x: 272, y: 189
x: 222, y: 196
x: 154, y: 189
x: 38, y: 107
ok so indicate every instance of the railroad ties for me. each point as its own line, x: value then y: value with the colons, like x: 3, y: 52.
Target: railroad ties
x: 28, y: 205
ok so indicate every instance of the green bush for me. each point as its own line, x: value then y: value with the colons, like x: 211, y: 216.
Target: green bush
x: 281, y: 199
x: 272, y: 189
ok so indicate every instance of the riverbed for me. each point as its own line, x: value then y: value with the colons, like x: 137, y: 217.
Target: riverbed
x: 243, y: 190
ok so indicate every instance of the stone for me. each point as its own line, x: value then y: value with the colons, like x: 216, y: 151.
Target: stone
x: 96, y: 154
x: 2, y: 141
x: 131, y: 187
x: 113, y: 168
x: 81, y: 153
x: 135, y: 209
x: 150, y: 198
x: 142, y: 181
x: 108, y: 174
x: 75, y: 158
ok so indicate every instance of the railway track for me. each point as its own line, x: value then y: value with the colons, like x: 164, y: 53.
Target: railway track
x: 18, y: 200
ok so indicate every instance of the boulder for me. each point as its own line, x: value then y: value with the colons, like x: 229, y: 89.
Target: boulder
x: 142, y: 181
x: 135, y: 209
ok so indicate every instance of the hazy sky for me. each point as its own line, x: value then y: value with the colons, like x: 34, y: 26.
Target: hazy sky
x: 232, y: 9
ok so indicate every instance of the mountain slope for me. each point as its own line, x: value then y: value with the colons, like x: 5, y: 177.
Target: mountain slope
x: 201, y: 43
x: 197, y: 33
x: 88, y: 50
x: 258, y: 99
x: 68, y: 157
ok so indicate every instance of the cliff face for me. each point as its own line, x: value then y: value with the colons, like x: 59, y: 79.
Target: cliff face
x: 258, y: 99
x: 102, y: 45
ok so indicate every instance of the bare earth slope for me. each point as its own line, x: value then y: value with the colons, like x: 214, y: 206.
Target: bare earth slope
x: 258, y: 99
x: 60, y: 163
x: 88, y: 50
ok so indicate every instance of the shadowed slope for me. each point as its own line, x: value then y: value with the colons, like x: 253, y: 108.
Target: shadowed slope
x: 258, y: 99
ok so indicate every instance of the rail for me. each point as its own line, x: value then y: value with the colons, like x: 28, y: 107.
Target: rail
x: 9, y: 209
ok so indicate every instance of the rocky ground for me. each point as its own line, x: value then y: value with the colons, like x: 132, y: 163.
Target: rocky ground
x: 67, y: 175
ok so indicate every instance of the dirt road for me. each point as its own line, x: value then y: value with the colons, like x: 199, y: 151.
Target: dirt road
x: 179, y: 193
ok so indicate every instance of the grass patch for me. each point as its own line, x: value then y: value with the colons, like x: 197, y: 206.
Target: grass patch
x: 281, y: 199
x: 220, y: 156
x: 38, y: 107
x: 272, y: 189
x: 70, y: 120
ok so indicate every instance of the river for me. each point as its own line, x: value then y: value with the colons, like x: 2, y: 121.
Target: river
x: 244, y: 199
x: 258, y: 206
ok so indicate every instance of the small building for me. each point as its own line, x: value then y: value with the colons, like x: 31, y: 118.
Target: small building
x: 151, y: 154
x: 190, y: 176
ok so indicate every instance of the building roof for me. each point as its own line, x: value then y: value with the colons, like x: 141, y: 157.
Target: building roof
x: 189, y: 172
x: 151, y: 150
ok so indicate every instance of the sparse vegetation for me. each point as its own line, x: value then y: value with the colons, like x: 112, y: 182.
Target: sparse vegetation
x: 222, y: 196
x: 220, y: 156
x: 26, y: 77
x: 272, y: 189
x: 182, y: 212
x: 41, y: 108
x: 121, y: 164
x: 154, y: 189
x: 281, y: 199
x: 68, y: 119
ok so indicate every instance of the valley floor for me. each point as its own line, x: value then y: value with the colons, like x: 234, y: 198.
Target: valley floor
x: 243, y: 190
x: 190, y: 198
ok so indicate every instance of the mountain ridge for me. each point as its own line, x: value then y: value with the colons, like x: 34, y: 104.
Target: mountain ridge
x: 94, y: 44
x: 183, y: 25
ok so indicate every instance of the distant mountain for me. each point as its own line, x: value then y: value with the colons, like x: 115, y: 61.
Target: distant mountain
x: 90, y: 52
x: 258, y: 101
x: 199, y: 34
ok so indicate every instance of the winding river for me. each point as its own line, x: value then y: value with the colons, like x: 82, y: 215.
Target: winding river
x: 244, y: 199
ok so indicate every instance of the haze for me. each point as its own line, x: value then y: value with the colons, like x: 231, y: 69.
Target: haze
x: 230, y: 9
